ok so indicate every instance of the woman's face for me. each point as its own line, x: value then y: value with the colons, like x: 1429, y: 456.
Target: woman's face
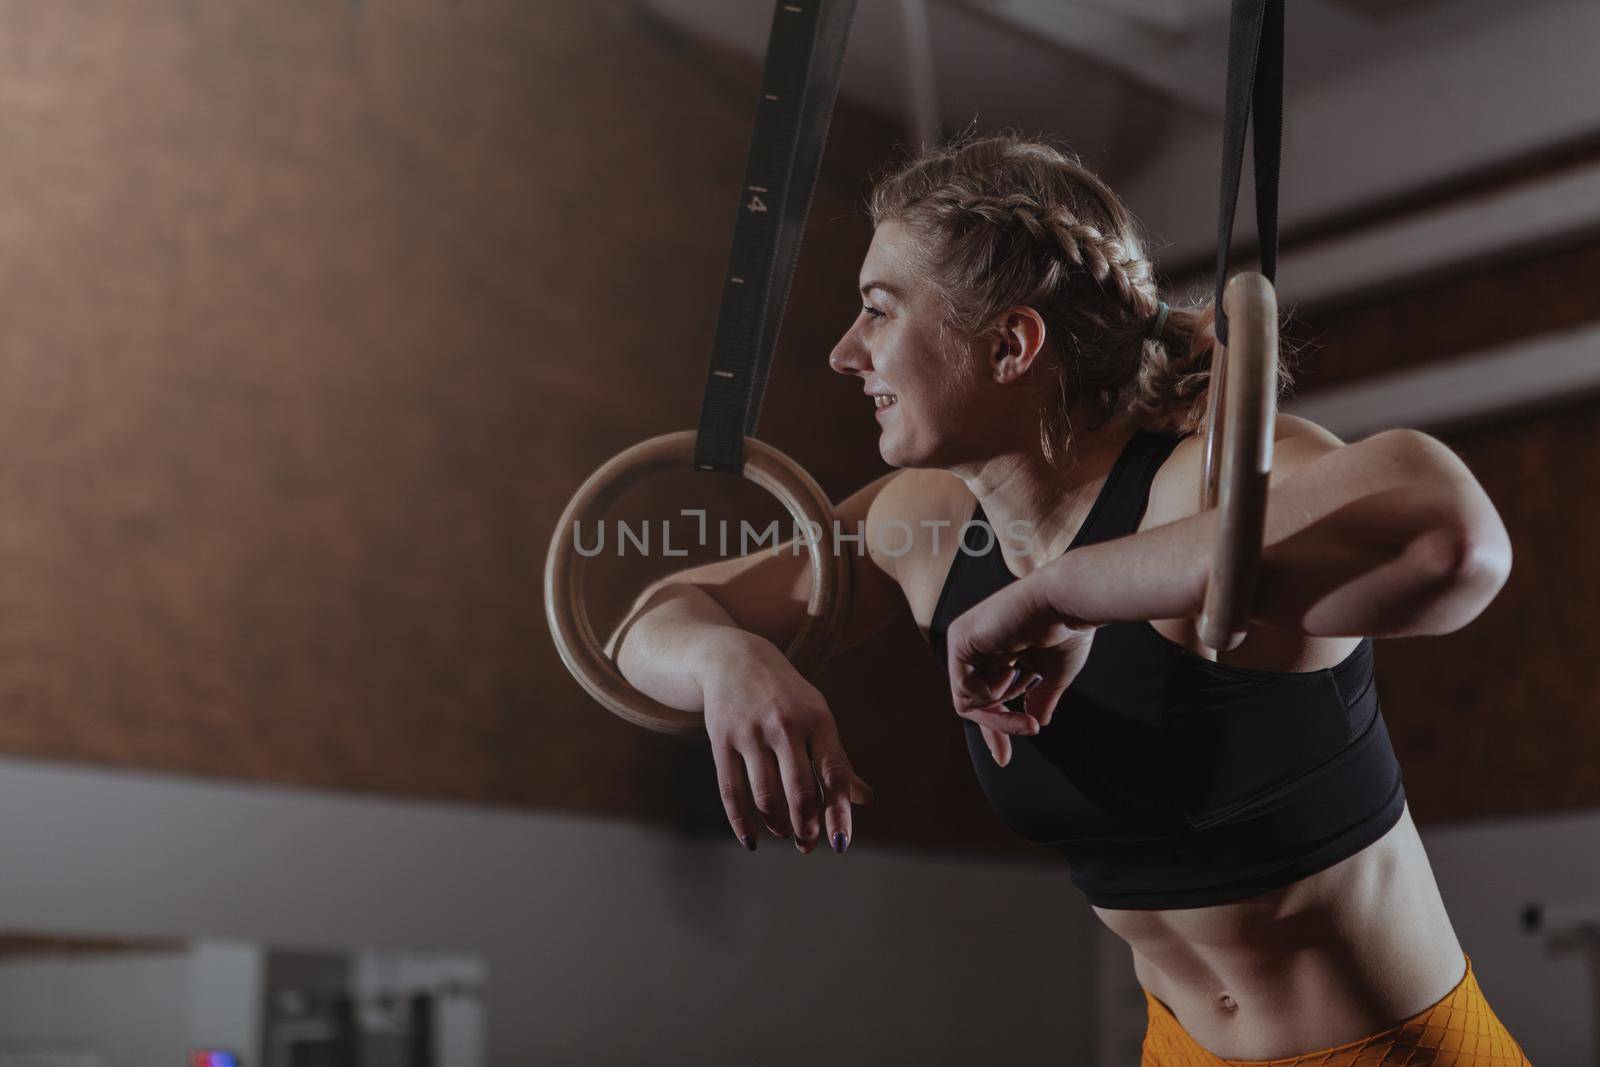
x: 929, y: 393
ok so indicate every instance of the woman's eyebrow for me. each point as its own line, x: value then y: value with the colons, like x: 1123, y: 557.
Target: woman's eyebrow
x: 885, y: 286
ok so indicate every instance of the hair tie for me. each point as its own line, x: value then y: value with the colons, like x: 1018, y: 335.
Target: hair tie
x: 1161, y: 321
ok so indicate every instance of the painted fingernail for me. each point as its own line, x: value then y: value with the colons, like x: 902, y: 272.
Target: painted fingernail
x: 1036, y: 680
x: 748, y: 842
x: 840, y: 842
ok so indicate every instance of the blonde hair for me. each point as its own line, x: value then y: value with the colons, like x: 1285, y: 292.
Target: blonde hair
x: 1005, y: 221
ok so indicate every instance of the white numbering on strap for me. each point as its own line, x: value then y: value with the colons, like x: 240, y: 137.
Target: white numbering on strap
x: 755, y: 204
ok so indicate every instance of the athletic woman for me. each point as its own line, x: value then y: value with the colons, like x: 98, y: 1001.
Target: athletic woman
x: 1238, y: 820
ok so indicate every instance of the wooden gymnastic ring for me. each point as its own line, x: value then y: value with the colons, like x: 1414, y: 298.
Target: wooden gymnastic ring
x: 584, y: 654
x: 1241, y: 418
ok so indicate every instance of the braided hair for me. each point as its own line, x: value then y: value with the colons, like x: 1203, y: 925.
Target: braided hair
x: 1005, y: 221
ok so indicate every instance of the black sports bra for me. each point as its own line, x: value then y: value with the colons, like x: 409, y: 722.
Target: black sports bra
x: 1171, y: 781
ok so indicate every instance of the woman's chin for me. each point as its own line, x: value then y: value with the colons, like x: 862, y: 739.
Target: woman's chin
x: 896, y: 454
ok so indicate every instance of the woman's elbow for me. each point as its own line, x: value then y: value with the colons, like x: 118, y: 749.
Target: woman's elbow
x: 641, y: 603
x: 1468, y: 563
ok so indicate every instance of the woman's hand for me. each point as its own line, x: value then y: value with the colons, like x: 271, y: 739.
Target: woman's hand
x: 1015, y: 642
x: 773, y: 740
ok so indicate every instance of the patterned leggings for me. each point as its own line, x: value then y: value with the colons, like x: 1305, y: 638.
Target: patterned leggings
x: 1458, y: 1031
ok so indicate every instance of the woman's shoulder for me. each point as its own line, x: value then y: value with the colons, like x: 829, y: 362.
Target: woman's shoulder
x: 1175, y: 490
x: 919, y: 512
x: 1175, y: 495
x: 914, y: 530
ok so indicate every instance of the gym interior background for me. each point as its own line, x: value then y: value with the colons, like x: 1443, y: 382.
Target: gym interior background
x: 317, y: 312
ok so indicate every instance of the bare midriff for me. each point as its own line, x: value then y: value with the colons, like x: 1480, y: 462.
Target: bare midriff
x: 1335, y: 957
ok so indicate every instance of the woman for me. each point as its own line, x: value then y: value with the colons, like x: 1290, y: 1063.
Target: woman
x: 1238, y: 820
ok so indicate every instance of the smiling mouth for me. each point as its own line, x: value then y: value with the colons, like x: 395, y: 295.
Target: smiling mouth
x: 884, y: 401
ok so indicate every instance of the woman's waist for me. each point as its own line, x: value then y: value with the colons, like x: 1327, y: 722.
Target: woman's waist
x: 1332, y: 957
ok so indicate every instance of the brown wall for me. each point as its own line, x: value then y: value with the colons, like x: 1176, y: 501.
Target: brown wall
x: 1503, y: 716
x: 317, y: 313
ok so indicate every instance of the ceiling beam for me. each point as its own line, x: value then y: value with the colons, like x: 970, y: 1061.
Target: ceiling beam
x: 1135, y: 43
x: 1545, y: 212
x: 1438, y: 99
x: 1532, y: 375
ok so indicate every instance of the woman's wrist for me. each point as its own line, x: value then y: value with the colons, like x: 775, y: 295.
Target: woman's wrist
x: 1059, y: 589
x: 716, y: 651
x: 719, y: 646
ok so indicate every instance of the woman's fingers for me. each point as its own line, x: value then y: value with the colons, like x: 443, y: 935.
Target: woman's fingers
x: 860, y: 791
x: 834, y: 769
x: 987, y: 681
x: 1002, y: 721
x: 838, y: 782
x: 990, y: 712
x: 1024, y: 681
x: 804, y: 787
x: 734, y: 788
x: 1058, y: 668
x: 766, y: 787
x: 800, y: 785
x: 999, y: 745
x: 1042, y: 700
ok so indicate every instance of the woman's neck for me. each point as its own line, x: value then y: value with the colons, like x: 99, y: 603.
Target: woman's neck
x: 1036, y: 509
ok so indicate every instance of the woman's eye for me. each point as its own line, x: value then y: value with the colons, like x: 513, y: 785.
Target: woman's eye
x: 872, y: 311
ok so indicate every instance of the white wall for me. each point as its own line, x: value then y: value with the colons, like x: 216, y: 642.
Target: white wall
x: 225, y: 996
x: 606, y: 942
x: 1487, y: 872
x: 127, y: 1008
x: 130, y: 1008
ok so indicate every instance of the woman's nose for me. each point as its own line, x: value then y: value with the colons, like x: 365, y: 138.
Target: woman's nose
x: 847, y: 355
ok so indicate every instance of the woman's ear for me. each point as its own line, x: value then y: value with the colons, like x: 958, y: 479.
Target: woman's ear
x: 1018, y: 338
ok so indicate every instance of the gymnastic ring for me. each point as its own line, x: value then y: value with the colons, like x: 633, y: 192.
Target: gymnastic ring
x: 1242, y: 411
x: 584, y: 654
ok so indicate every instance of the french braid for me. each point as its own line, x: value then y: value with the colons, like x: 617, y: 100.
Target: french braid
x: 1107, y: 258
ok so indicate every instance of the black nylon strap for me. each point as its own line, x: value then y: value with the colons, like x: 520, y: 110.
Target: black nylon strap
x: 799, y: 82
x: 1254, y: 94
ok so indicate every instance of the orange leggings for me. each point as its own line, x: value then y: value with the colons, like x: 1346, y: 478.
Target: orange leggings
x: 1458, y: 1031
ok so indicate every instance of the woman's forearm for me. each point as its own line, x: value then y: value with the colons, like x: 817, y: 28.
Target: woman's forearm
x: 1338, y: 559
x: 674, y: 633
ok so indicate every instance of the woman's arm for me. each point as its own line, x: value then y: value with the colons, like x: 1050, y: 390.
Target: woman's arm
x: 689, y: 622
x: 674, y: 635
x: 1388, y: 537
x: 709, y: 639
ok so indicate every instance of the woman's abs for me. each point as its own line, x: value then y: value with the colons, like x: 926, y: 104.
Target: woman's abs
x: 1331, y: 958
